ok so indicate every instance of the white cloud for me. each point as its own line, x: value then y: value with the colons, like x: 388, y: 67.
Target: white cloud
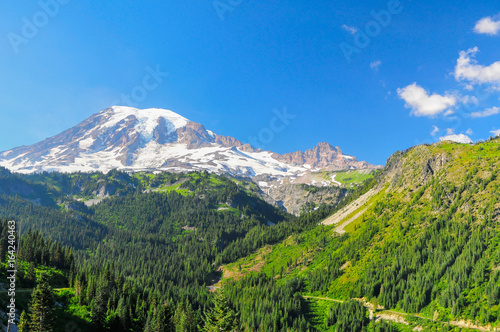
x: 495, y: 132
x: 434, y: 131
x: 423, y: 104
x: 460, y: 138
x: 485, y: 113
x: 469, y: 132
x: 468, y: 69
x: 375, y: 64
x: 488, y: 26
x: 350, y: 29
x: 450, y: 131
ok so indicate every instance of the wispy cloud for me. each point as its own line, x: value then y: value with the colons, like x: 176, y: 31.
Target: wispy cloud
x: 350, y: 29
x: 487, y: 25
x: 375, y: 65
x: 495, y: 132
x: 468, y: 69
x: 435, y: 130
x: 468, y: 100
x: 487, y: 112
x: 424, y: 104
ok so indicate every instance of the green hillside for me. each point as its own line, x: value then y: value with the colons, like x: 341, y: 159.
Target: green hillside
x: 428, y: 245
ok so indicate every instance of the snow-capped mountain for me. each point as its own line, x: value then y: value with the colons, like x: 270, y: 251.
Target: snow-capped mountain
x: 153, y: 139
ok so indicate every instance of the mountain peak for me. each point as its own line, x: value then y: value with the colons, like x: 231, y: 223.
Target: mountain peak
x: 147, y: 120
x: 325, y: 146
x: 147, y: 112
x: 155, y: 139
x: 322, y: 156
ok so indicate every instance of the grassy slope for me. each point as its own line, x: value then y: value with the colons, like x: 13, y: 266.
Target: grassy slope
x: 353, y: 177
x: 346, y: 178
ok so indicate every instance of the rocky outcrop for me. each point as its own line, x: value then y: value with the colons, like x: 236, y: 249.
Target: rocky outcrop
x: 228, y: 141
x: 292, y: 197
x: 248, y: 148
x: 194, y: 135
x: 414, y: 167
x: 323, y: 156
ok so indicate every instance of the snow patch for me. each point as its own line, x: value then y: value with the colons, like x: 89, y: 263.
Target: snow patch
x: 86, y: 143
x: 334, y: 181
x: 148, y: 119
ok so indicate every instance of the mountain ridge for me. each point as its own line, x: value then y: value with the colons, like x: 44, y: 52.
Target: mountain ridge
x: 130, y: 139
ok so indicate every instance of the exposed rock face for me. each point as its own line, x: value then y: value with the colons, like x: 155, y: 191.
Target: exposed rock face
x: 323, y: 156
x: 228, y: 141
x: 248, y: 148
x: 194, y: 135
x: 293, y: 196
x: 402, y: 172
x: 105, y: 191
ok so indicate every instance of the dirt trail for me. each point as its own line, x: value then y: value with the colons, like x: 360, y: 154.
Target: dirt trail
x: 348, y: 210
x: 380, y: 314
x: 399, y: 317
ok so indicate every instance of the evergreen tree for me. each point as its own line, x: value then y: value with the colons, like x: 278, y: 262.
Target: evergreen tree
x: 31, y: 274
x: 24, y: 323
x: 184, y: 320
x: 221, y: 317
x: 42, y: 306
x: 99, y: 308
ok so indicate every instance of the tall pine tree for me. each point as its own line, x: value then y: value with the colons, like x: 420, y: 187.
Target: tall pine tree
x: 221, y: 317
x: 42, y: 306
x: 24, y: 323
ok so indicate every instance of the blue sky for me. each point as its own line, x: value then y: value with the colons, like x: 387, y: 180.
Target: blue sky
x: 371, y: 77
